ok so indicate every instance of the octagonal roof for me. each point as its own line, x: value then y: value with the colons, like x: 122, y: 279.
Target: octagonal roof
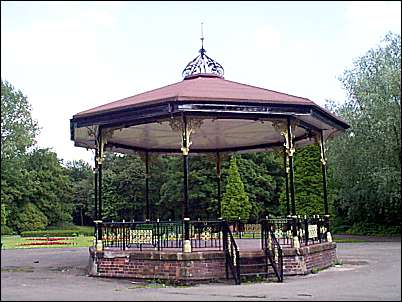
x: 201, y: 88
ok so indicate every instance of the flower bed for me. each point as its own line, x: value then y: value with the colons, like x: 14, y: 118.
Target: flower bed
x: 47, y: 243
x: 47, y: 239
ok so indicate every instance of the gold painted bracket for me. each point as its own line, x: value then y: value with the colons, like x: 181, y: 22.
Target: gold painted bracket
x: 178, y: 125
x: 320, y: 141
x: 282, y: 128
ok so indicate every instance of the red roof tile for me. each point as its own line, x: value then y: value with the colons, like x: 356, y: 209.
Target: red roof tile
x: 201, y: 87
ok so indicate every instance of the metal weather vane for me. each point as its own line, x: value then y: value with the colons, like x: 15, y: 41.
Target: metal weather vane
x: 202, y: 63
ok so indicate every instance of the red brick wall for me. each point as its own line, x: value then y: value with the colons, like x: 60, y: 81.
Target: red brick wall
x: 162, y: 265
x: 197, y: 266
x: 303, y: 260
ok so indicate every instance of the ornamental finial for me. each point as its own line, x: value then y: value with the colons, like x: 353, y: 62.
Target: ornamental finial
x: 202, y: 63
x: 202, y: 36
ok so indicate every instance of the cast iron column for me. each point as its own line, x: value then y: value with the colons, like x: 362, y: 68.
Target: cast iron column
x: 290, y: 155
x: 324, y: 173
x: 100, y: 189
x: 99, y: 162
x: 147, y: 185
x: 285, y: 159
x: 185, y: 180
x: 96, y: 185
x: 218, y: 174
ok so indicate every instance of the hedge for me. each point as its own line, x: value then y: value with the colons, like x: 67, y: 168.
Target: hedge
x: 59, y: 233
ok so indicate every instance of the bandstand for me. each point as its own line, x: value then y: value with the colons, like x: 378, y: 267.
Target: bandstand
x: 207, y: 114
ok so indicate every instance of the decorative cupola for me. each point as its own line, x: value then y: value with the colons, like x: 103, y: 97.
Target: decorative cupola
x: 202, y: 64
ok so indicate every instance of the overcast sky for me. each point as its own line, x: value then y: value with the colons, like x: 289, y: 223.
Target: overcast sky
x: 67, y: 57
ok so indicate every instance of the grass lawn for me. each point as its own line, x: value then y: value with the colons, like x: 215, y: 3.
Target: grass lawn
x: 348, y: 240
x: 17, y: 242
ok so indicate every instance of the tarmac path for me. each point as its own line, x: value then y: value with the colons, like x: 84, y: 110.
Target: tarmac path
x: 370, y: 271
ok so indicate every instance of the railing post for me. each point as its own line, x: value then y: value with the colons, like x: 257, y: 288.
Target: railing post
x: 328, y: 233
x: 123, y: 226
x: 306, y: 234
x: 239, y: 229
x: 281, y: 264
x: 238, y: 266
x: 98, y: 226
x: 158, y: 235
x: 318, y: 228
x: 225, y: 246
x: 295, y: 239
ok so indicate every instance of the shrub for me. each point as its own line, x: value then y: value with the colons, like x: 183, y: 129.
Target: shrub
x: 374, y: 229
x: 6, y: 230
x: 340, y: 229
x: 60, y: 233
x: 30, y: 218
x: 3, y: 214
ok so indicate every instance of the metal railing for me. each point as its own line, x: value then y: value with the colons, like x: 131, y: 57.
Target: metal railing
x: 309, y: 230
x: 208, y: 234
x: 160, y: 235
x: 243, y: 229
x: 232, y: 254
x: 272, y: 250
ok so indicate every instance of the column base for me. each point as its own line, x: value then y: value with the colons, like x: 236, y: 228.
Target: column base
x: 187, y: 246
x: 329, y: 237
x: 296, y: 243
x: 99, y: 246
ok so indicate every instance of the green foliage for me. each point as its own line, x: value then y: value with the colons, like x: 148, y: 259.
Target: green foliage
x: 3, y: 214
x: 6, y: 230
x: 51, y: 187
x: 262, y: 176
x: 123, y: 188
x: 365, y: 163
x: 235, y: 202
x: 374, y: 229
x: 82, y: 181
x: 315, y: 270
x: 30, y: 218
x: 18, y: 129
x: 309, y: 198
x: 32, y: 180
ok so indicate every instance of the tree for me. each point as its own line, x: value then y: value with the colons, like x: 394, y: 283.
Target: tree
x: 235, y: 202
x: 18, y: 128
x: 30, y: 218
x: 308, y: 182
x: 3, y: 214
x: 51, y: 188
x: 18, y: 131
x: 365, y: 163
x: 123, y: 187
x: 82, y: 179
x: 262, y: 177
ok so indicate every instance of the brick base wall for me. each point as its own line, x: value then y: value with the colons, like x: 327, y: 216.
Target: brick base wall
x: 301, y: 261
x: 199, y: 266
x: 174, y: 266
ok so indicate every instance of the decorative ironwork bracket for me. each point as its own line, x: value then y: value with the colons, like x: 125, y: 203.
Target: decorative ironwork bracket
x: 319, y: 139
x: 185, y: 129
x: 282, y: 128
x: 101, y: 138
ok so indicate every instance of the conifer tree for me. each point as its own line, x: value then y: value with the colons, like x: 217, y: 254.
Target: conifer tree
x: 235, y: 202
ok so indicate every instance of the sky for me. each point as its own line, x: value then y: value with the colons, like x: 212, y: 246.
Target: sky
x: 67, y: 57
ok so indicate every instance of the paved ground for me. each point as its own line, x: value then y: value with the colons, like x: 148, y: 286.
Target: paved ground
x: 370, y: 271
